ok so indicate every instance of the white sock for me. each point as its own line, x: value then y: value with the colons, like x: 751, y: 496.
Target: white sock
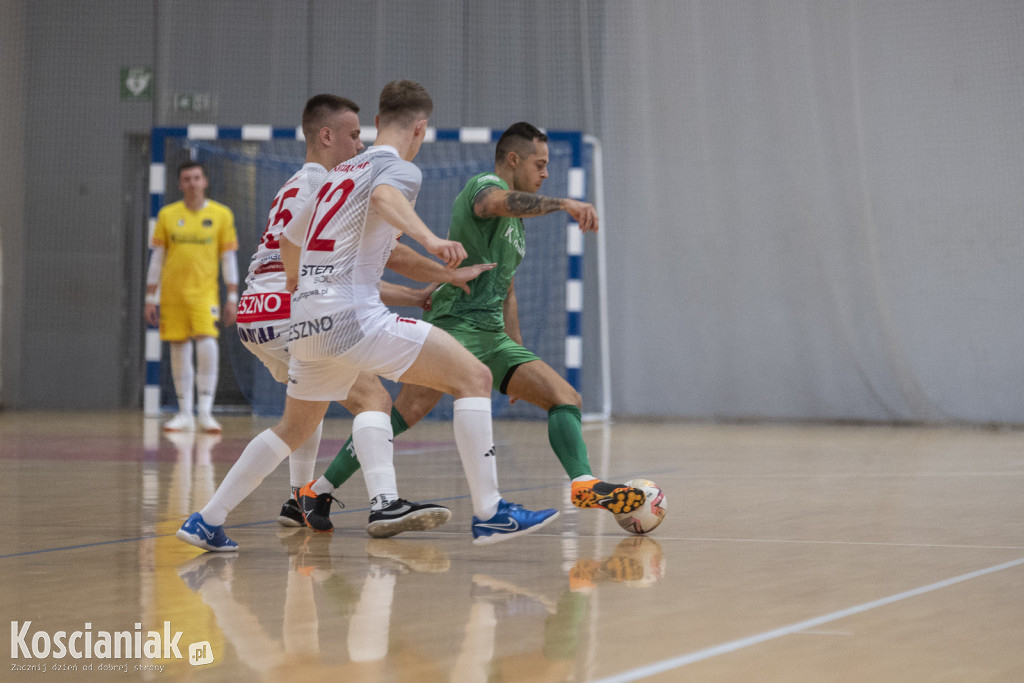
x: 322, y: 486
x: 303, y: 459
x: 260, y: 458
x: 475, y: 441
x: 183, y: 374
x: 207, y: 360
x: 372, y: 439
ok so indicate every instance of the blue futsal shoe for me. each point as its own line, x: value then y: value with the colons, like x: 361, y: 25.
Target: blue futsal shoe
x: 510, y: 521
x: 197, y: 532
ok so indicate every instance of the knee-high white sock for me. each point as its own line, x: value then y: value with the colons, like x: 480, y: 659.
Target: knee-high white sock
x: 372, y: 438
x: 303, y: 459
x: 260, y: 457
x: 475, y: 441
x: 184, y: 375
x: 207, y: 365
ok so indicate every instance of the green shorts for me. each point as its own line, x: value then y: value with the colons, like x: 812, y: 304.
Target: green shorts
x: 496, y: 350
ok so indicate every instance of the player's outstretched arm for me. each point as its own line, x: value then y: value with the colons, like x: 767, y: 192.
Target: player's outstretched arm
x: 493, y: 201
x: 406, y: 261
x: 400, y: 295
x: 393, y: 207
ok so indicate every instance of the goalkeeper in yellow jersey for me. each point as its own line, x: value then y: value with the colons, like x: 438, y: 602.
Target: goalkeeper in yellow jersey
x: 487, y: 219
x: 194, y: 238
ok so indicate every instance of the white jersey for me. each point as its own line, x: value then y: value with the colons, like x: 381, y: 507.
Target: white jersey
x: 264, y: 297
x: 344, y: 251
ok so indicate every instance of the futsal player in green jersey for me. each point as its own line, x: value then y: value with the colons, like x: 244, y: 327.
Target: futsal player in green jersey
x: 487, y: 219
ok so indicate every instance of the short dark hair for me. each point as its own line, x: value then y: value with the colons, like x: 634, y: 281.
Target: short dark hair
x: 185, y: 165
x: 403, y: 102
x: 321, y: 107
x: 518, y: 138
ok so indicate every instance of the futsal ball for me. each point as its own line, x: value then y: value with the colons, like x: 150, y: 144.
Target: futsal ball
x: 648, y: 516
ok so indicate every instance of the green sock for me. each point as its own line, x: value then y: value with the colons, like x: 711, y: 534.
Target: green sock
x: 345, y: 463
x: 565, y: 433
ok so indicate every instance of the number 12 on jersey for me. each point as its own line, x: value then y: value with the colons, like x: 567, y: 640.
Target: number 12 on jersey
x: 338, y: 194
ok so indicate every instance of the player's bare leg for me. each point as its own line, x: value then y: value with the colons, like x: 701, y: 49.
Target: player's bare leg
x: 537, y: 382
x: 414, y: 402
x: 446, y: 366
x: 372, y: 434
x: 263, y: 454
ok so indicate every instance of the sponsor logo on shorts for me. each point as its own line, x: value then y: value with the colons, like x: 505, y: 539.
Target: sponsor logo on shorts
x: 264, y: 306
x: 308, y: 328
x: 256, y: 335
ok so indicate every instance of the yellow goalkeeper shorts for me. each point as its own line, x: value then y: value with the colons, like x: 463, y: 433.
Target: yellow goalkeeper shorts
x: 179, y: 322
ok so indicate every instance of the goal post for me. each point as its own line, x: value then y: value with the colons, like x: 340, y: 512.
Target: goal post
x: 246, y: 165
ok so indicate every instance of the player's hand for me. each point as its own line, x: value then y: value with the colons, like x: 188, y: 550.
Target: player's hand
x: 229, y: 314
x: 452, y: 253
x: 583, y: 213
x: 425, y: 297
x: 460, y: 276
x: 152, y: 315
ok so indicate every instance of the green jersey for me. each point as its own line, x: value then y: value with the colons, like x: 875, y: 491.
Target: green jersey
x: 499, y: 240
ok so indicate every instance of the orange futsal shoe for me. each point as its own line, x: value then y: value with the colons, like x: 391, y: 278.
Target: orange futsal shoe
x: 615, y: 498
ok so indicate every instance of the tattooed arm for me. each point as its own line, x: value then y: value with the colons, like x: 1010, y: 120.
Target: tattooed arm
x: 493, y: 201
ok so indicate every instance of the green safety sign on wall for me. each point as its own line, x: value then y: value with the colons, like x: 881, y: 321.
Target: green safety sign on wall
x: 136, y: 83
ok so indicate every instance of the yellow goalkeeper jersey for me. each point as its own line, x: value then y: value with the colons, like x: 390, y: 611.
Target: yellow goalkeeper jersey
x: 193, y: 242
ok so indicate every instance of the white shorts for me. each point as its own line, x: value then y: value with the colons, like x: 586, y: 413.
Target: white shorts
x: 268, y: 341
x: 387, y: 352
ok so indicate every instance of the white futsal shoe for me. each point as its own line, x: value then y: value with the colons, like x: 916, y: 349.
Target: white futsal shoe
x: 208, y: 424
x: 182, y: 422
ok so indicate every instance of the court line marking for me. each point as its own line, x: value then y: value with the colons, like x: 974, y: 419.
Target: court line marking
x: 871, y: 543
x: 862, y: 475
x: 741, y: 643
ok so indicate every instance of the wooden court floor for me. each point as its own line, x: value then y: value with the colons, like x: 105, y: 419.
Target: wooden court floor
x: 790, y: 553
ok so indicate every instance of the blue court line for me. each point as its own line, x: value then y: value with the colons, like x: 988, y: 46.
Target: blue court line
x: 734, y: 645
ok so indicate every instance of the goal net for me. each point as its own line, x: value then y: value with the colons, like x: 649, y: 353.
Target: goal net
x: 246, y: 166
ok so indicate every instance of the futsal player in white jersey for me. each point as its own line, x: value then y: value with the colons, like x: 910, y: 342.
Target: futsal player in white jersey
x: 330, y: 125
x: 340, y: 327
